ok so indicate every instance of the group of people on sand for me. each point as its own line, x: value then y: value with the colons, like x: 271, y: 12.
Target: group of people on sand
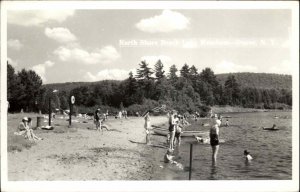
x: 24, y: 129
x: 176, y: 123
x: 121, y: 114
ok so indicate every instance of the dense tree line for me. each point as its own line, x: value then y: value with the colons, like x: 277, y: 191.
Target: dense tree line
x: 260, y: 80
x: 185, y: 89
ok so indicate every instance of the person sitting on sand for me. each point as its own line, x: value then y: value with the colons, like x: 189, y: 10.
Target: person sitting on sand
x: 247, y: 156
x: 147, y: 126
x: 168, y: 158
x: 31, y: 131
x: 24, y: 129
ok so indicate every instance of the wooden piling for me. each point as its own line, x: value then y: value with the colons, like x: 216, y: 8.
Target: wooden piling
x: 191, y: 161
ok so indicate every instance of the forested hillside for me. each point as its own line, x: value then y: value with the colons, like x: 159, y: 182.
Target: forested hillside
x: 252, y: 80
x: 68, y: 86
x: 190, y: 91
x: 259, y: 80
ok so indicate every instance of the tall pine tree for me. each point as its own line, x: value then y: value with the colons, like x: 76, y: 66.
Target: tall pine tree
x: 159, y: 70
x: 172, y: 73
x: 144, y: 72
x: 185, y: 71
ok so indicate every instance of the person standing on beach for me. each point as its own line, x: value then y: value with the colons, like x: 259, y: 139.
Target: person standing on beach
x: 147, y: 126
x: 227, y: 123
x: 214, y: 138
x: 172, y: 125
x: 97, y: 119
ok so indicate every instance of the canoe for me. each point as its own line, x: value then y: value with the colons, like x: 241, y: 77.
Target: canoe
x: 270, y: 129
x: 165, y: 132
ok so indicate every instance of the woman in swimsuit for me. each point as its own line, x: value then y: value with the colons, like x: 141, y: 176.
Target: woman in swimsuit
x: 214, y: 139
x: 147, y: 126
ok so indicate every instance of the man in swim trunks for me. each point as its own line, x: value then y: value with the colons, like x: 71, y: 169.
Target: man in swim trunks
x: 214, y: 138
x: 172, y: 124
x: 178, y: 132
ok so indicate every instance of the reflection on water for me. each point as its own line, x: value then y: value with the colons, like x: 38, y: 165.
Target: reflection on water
x: 271, y: 151
x: 213, y: 172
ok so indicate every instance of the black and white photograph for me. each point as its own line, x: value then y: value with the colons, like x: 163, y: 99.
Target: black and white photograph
x: 149, y: 96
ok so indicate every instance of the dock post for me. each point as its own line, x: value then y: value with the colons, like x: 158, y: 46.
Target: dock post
x: 191, y: 161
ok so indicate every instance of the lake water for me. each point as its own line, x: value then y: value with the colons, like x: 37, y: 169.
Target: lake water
x: 271, y: 151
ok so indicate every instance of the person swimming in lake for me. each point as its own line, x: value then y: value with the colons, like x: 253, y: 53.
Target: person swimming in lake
x: 214, y: 138
x: 202, y: 140
x: 247, y: 155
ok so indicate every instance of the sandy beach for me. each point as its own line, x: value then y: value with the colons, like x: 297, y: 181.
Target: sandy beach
x: 82, y: 153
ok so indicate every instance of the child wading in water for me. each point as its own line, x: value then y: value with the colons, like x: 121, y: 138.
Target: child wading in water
x: 168, y: 158
x: 247, y: 155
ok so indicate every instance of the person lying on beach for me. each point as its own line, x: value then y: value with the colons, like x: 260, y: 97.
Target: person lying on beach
x: 247, y: 155
x: 270, y: 128
x: 24, y: 129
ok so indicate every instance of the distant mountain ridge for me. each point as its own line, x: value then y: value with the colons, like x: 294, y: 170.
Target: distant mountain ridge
x: 247, y: 79
x: 260, y: 80
x: 68, y: 86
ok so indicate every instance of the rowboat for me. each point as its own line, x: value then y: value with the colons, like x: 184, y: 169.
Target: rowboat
x: 270, y: 129
x: 165, y: 132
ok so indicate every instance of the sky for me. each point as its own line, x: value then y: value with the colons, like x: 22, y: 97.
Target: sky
x: 91, y: 45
